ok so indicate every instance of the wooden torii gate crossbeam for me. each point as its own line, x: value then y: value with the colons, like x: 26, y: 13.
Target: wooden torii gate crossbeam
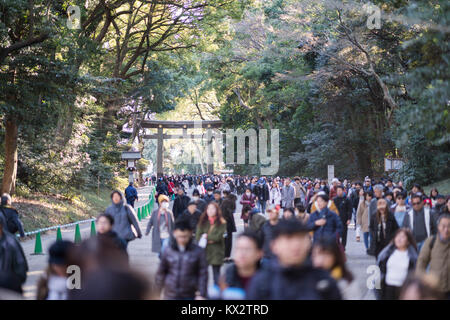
x: 160, y: 136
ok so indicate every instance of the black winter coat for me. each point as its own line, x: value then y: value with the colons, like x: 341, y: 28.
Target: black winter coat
x: 305, y: 282
x: 11, y: 217
x: 344, y: 207
x: 182, y: 274
x: 179, y: 205
x: 228, y: 207
x: 193, y: 218
x: 12, y: 257
x: 382, y: 239
x: 262, y: 192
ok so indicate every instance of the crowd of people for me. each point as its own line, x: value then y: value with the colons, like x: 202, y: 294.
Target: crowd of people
x: 292, y: 246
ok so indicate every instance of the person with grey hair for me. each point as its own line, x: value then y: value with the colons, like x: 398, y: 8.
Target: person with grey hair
x: 434, y: 256
x: 10, y: 216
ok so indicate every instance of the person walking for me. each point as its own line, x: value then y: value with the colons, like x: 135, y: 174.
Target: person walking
x: 183, y: 271
x: 267, y: 232
x: 161, y: 221
x: 228, y: 208
x: 247, y: 253
x: 53, y: 285
x: 209, y: 196
x: 12, y: 258
x: 275, y: 194
x: 324, y: 222
x: 124, y: 218
x: 396, y: 261
x: 256, y: 221
x: 210, y: 235
x: 291, y: 276
x: 248, y: 198
x: 362, y: 217
x: 131, y: 194
x: 327, y: 255
x: 300, y: 192
x: 344, y: 208
x: 419, y: 220
x: 382, y: 227
x: 180, y: 203
x: 400, y: 209
x: 262, y: 194
x: 11, y: 216
x: 434, y: 258
x: 201, y: 204
x: 287, y: 194
x: 105, y: 224
x: 192, y: 214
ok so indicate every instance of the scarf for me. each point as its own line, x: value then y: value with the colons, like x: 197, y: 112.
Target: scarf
x: 212, y: 220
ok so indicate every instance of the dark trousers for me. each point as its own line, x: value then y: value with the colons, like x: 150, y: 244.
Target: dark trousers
x: 390, y: 292
x: 131, y: 202
x: 344, y: 235
x: 228, y: 244
x: 216, y: 274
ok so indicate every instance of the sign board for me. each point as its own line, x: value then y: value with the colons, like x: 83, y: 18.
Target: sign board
x: 131, y: 155
x: 393, y: 164
x: 330, y: 173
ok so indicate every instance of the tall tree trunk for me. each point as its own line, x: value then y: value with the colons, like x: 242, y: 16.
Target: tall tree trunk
x: 10, y: 173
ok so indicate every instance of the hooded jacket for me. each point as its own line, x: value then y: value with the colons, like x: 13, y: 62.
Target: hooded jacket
x: 124, y: 217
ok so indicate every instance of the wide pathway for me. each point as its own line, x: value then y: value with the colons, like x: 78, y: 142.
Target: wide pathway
x: 145, y: 261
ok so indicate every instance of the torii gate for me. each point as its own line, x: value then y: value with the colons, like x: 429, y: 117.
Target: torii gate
x: 160, y: 136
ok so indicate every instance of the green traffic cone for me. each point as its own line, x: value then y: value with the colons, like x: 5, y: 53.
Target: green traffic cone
x: 139, y: 211
x: 38, y: 244
x: 139, y: 216
x: 77, y: 234
x: 58, y: 234
x: 93, y: 231
x: 145, y: 213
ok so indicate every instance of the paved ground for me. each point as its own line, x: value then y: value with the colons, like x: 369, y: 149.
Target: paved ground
x: 146, y: 261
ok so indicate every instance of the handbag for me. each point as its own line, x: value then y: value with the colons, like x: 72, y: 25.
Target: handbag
x: 202, y: 242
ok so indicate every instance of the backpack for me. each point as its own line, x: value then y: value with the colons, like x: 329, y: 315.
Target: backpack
x: 10, y: 222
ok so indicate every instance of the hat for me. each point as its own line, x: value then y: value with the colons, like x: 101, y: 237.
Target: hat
x: 58, y: 252
x: 254, y: 211
x: 162, y: 198
x: 192, y: 202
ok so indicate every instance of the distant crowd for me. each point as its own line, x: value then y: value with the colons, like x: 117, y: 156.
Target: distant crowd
x: 292, y: 246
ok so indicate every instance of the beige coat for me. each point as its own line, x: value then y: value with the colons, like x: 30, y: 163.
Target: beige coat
x: 438, y: 259
x: 362, y: 216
